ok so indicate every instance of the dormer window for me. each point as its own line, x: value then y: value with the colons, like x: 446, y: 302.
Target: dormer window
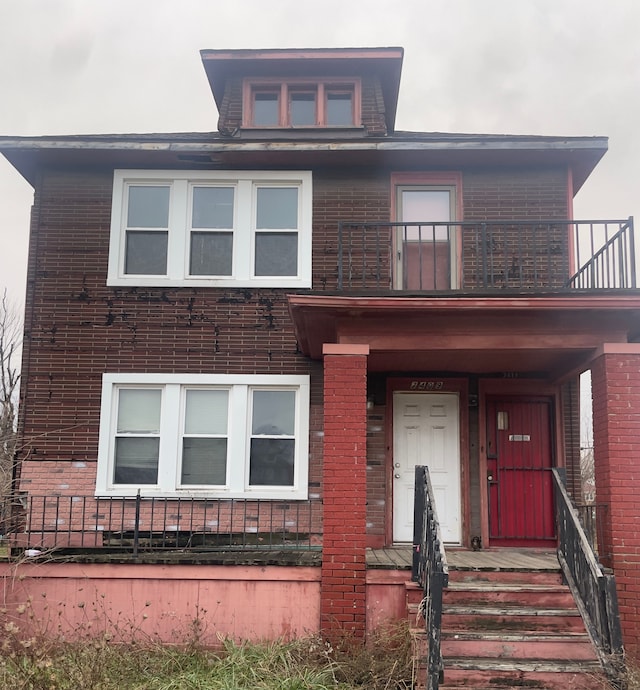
x: 302, y: 103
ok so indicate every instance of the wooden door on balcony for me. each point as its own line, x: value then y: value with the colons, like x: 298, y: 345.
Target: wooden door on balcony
x: 426, y: 432
x: 425, y: 252
x: 519, y: 464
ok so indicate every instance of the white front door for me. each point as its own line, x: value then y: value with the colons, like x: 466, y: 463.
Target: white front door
x: 426, y: 432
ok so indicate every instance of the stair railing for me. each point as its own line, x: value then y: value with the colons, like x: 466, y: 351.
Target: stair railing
x: 593, y: 589
x: 430, y: 570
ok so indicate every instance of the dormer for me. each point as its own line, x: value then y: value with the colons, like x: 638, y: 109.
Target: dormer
x: 291, y: 93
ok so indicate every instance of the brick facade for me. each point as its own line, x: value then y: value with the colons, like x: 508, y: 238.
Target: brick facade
x: 342, y: 598
x: 615, y: 380
x: 77, y: 328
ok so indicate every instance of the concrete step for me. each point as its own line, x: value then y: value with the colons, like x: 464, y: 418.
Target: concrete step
x: 510, y: 628
x: 573, y: 647
x: 550, y: 674
x: 545, y: 595
x: 510, y: 619
x: 552, y: 576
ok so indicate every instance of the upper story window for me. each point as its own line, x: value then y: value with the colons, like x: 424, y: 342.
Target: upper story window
x: 211, y: 228
x: 302, y: 103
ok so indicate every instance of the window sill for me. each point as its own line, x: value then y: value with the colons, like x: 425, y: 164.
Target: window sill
x: 161, y: 282
x: 278, y: 494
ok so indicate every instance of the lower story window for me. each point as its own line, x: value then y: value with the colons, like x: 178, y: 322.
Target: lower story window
x: 204, y: 435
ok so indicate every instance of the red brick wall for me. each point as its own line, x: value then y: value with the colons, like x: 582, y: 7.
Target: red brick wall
x: 342, y: 597
x: 615, y: 380
x: 77, y: 328
x: 539, y: 256
x: 515, y: 194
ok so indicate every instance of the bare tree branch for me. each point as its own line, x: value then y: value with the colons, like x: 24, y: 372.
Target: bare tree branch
x: 10, y: 346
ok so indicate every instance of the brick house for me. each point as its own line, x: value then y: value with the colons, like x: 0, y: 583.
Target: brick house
x: 251, y: 337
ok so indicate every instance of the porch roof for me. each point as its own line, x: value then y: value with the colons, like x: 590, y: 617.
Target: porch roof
x: 549, y: 336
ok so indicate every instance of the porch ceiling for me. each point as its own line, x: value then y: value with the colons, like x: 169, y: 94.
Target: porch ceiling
x: 549, y: 335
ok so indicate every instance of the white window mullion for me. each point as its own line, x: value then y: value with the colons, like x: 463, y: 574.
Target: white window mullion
x: 177, y: 230
x: 169, y: 438
x: 237, y: 451
x: 243, y: 239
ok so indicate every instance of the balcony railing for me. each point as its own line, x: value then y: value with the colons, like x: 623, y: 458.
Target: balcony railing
x: 160, y: 524
x: 560, y: 255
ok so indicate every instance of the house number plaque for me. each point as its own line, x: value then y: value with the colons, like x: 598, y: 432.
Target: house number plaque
x: 426, y: 385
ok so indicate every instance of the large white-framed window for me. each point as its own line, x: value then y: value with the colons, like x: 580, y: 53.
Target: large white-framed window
x: 211, y: 228
x: 210, y: 436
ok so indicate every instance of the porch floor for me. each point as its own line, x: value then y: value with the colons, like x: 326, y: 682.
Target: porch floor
x: 400, y: 558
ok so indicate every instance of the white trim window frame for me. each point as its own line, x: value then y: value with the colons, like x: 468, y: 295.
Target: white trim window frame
x: 173, y: 228
x: 241, y: 436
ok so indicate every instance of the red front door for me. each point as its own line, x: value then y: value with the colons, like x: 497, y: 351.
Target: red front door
x: 519, y: 462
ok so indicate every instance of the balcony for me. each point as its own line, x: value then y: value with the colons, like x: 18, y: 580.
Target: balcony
x: 487, y: 256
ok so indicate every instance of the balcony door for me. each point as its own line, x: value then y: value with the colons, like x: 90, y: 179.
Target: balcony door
x: 425, y: 241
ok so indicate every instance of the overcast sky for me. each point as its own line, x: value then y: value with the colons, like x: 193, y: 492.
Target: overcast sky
x: 566, y: 67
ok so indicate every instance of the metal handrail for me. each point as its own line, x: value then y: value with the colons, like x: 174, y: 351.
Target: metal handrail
x: 430, y: 570
x: 593, y: 589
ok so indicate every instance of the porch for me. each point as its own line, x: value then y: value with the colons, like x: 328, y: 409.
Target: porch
x: 502, y: 558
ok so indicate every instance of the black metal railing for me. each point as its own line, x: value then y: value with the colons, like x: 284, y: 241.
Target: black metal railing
x: 159, y: 524
x: 593, y: 517
x: 612, y: 257
x: 593, y: 589
x: 562, y: 255
x: 430, y: 571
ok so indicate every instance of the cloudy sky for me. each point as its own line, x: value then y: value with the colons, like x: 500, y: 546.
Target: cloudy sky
x: 568, y: 67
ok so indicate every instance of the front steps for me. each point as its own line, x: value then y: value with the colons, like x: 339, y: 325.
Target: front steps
x: 510, y: 628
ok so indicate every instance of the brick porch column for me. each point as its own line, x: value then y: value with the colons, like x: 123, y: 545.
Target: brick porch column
x: 342, y: 598
x: 615, y: 382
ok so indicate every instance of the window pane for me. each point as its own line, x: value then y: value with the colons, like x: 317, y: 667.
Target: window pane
x: 425, y: 205
x: 339, y: 109
x: 136, y: 461
x: 266, y: 108
x: 148, y: 207
x: 206, y: 412
x: 273, y: 413
x: 271, y: 462
x: 204, y: 461
x: 277, y: 254
x: 211, y: 254
x: 302, y: 109
x: 277, y: 207
x: 146, y: 253
x: 212, y: 207
x: 139, y: 411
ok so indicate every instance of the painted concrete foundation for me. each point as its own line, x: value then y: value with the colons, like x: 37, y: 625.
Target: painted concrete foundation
x: 178, y: 604
x: 169, y: 603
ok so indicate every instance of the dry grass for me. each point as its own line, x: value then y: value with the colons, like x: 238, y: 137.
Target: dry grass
x: 306, y: 664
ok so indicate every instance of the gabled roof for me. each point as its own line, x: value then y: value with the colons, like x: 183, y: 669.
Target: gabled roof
x: 386, y: 63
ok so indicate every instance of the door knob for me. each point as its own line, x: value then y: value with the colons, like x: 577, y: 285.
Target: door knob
x: 490, y: 477
x: 397, y: 464
x: 397, y: 475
